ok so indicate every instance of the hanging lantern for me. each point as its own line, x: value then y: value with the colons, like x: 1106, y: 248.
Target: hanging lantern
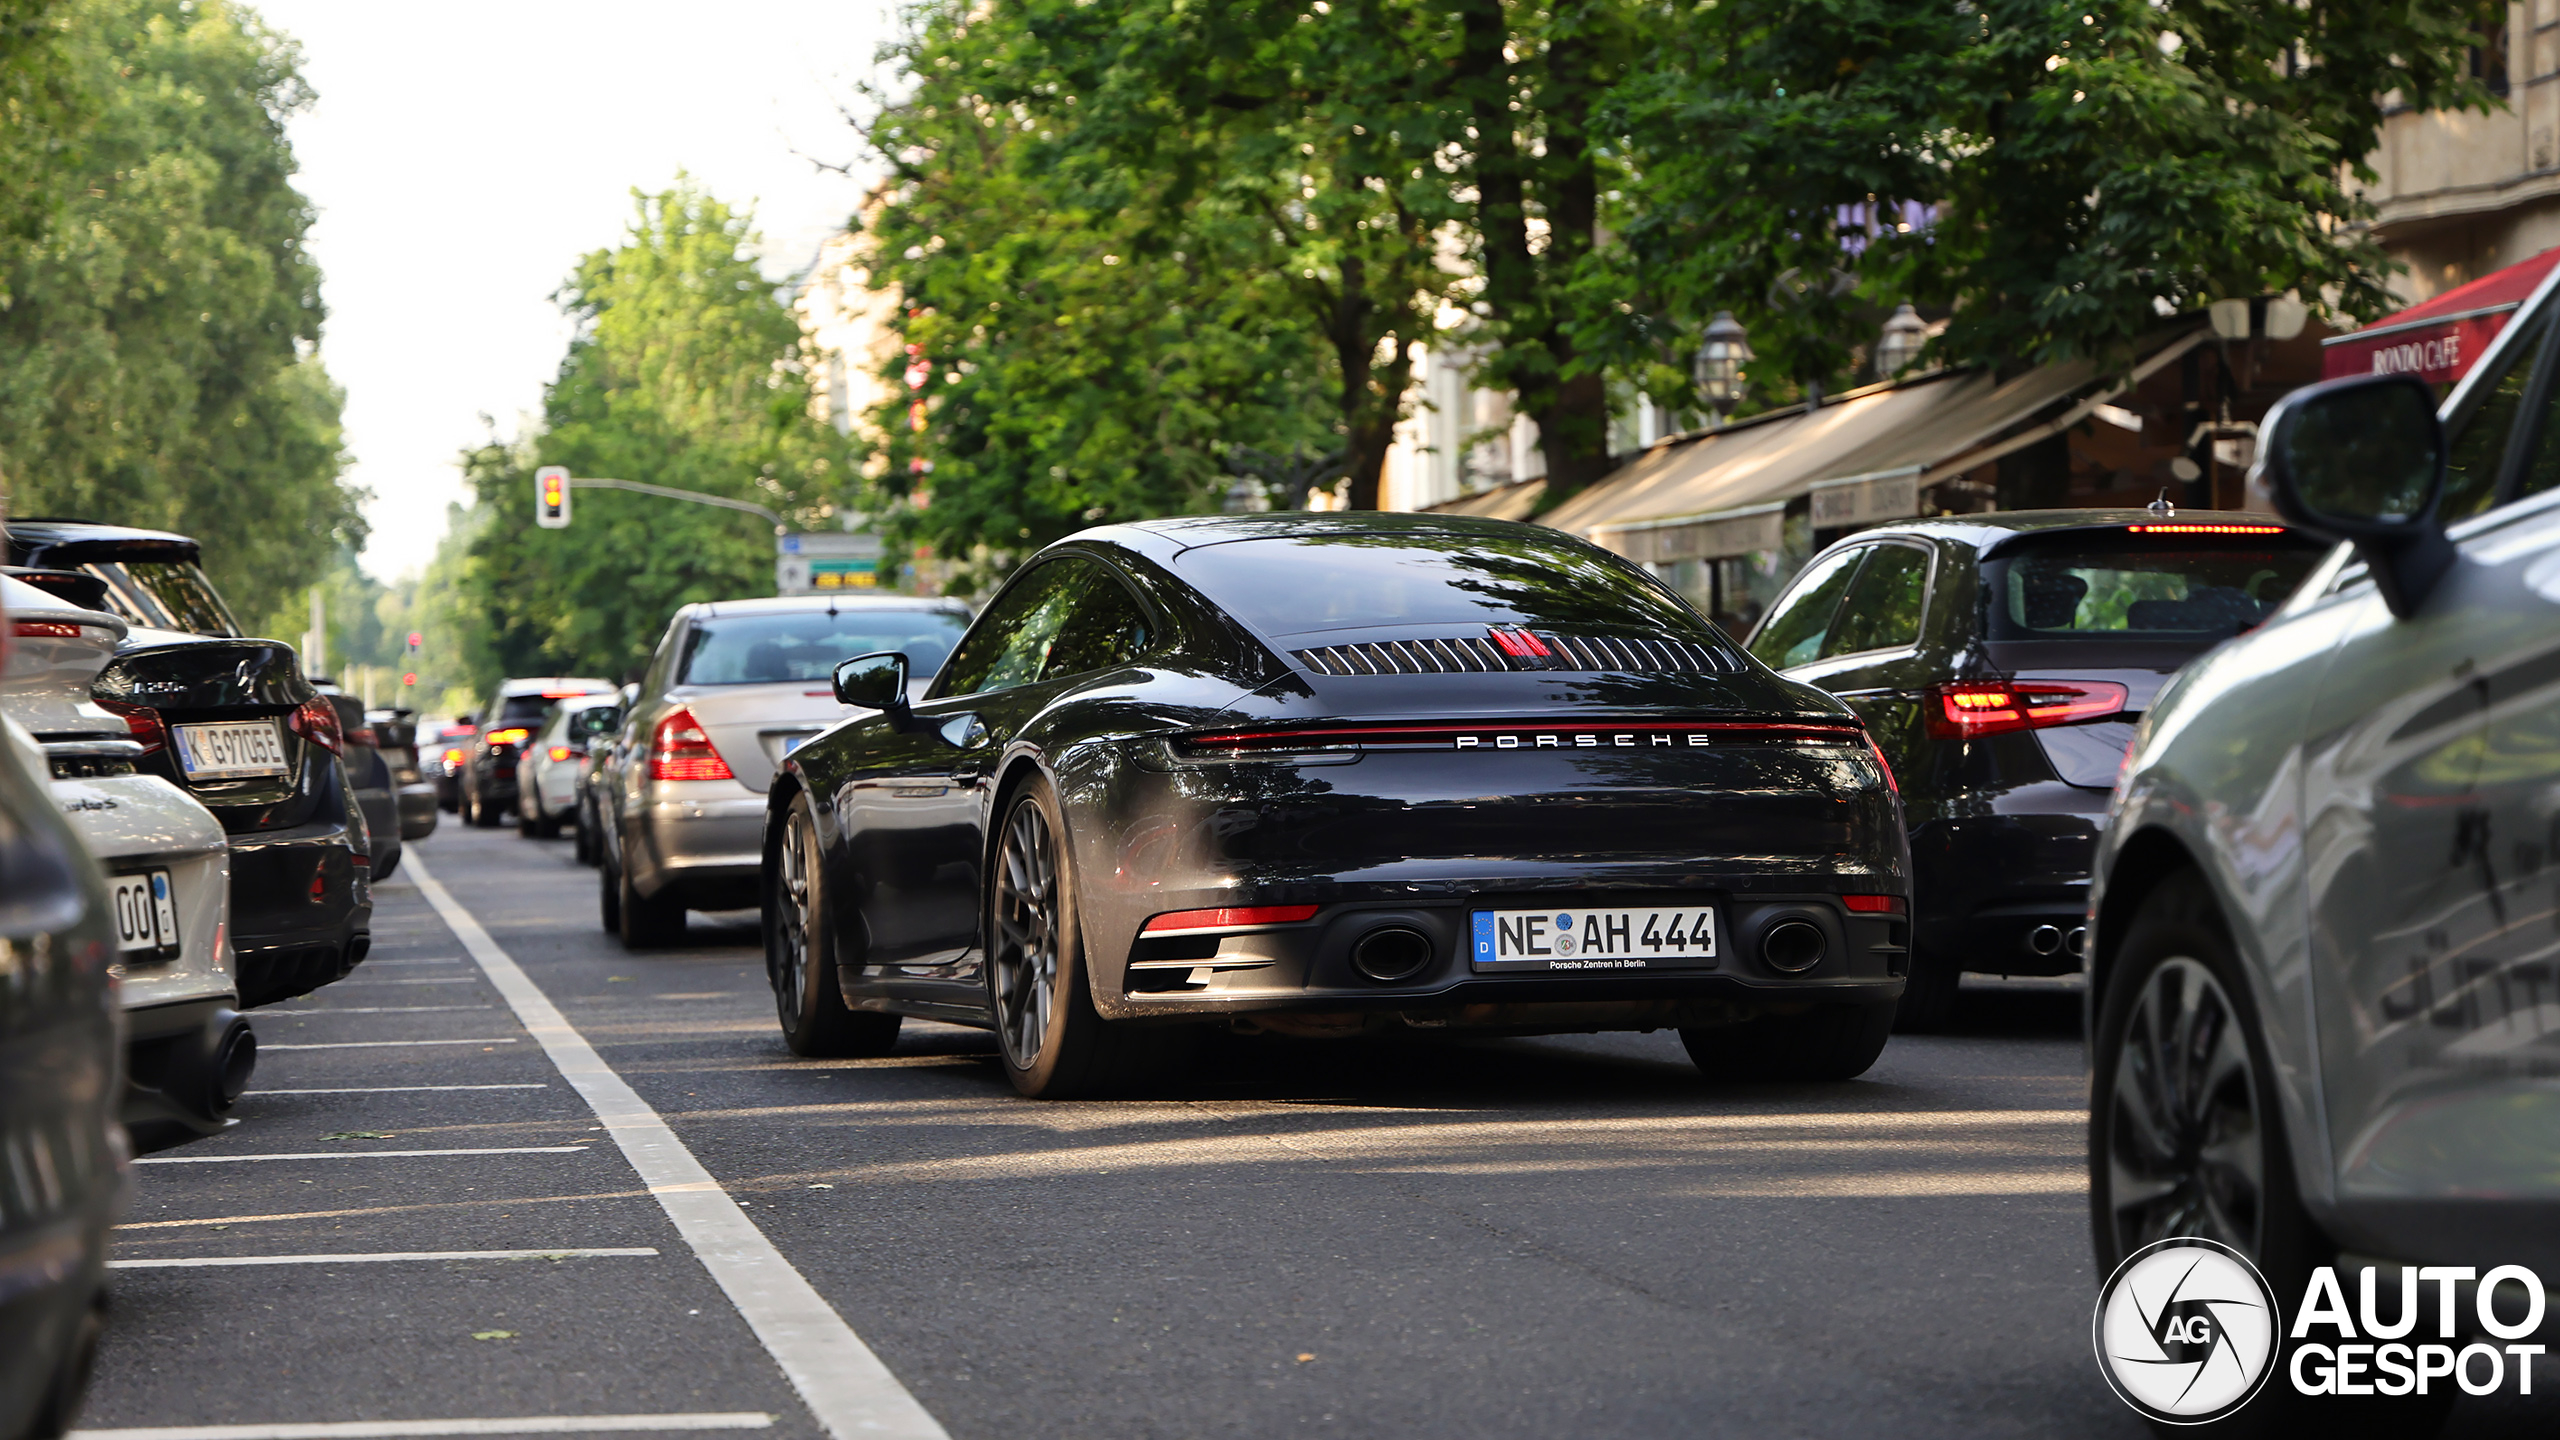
x: 1720, y: 374
x: 1905, y: 335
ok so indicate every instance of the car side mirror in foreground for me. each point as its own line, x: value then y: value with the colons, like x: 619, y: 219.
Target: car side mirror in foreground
x: 877, y: 681
x: 2363, y: 459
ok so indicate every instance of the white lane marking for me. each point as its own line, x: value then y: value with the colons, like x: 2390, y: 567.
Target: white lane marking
x: 397, y: 1429
x: 395, y: 1089
x: 358, y: 1154
x: 388, y: 1044
x: 427, y: 980
x: 448, y: 960
x: 386, y: 1257
x: 383, y: 1009
x: 844, y: 1383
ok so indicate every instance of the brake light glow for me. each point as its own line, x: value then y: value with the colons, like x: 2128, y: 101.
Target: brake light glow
x: 316, y: 720
x: 681, y: 751
x: 558, y: 753
x: 1877, y: 904
x: 45, y: 630
x: 1992, y: 707
x: 565, y: 694
x: 1183, y: 922
x: 515, y: 736
x: 455, y: 756
x: 142, y: 720
x: 2206, y: 529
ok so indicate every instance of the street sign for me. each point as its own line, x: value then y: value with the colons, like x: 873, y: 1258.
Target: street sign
x: 551, y: 497
x: 821, y: 561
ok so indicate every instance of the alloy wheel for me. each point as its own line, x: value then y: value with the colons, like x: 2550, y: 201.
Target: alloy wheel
x: 792, y: 923
x: 2186, y: 1148
x: 1024, y: 969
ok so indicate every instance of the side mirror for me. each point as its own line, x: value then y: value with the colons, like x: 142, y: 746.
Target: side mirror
x: 2363, y: 459
x: 877, y: 681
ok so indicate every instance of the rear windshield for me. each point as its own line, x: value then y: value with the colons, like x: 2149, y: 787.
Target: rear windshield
x: 522, y: 709
x: 1289, y: 585
x: 808, y: 645
x: 164, y: 594
x: 2132, y: 587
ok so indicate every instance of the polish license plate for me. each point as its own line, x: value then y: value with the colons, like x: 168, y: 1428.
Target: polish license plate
x: 231, y: 749
x: 146, y: 913
x: 1577, y: 939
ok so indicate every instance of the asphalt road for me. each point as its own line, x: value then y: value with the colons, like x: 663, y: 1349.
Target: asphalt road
x: 1574, y: 1236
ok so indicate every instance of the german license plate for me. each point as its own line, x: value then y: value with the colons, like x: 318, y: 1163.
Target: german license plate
x: 1576, y: 939
x: 146, y: 913
x: 231, y: 749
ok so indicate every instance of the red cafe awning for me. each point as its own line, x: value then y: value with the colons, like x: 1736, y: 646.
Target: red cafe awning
x: 2439, y: 340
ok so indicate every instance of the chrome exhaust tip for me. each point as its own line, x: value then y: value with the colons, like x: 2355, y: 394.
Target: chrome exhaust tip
x: 2045, y: 940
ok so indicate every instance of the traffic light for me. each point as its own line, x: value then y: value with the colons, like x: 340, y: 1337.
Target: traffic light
x: 551, y: 497
x: 416, y: 639
x: 409, y: 679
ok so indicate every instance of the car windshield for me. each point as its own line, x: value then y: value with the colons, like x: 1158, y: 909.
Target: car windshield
x: 2131, y: 587
x: 808, y: 645
x: 1303, y: 583
x: 165, y: 594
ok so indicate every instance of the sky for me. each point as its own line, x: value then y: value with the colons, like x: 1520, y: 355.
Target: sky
x: 464, y: 155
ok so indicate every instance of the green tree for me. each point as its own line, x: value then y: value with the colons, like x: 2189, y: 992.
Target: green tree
x: 158, y: 359
x: 686, y: 372
x: 2058, y: 174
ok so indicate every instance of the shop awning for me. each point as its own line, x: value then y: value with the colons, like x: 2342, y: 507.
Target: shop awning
x: 1862, y: 458
x: 2439, y: 340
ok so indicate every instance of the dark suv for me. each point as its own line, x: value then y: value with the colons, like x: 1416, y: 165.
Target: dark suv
x: 487, y: 785
x: 2001, y: 661
x: 233, y: 722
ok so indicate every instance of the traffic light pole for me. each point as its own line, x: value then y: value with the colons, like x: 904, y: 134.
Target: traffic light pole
x: 666, y: 492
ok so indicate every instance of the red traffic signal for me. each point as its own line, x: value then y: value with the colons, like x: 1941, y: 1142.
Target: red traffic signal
x: 416, y: 639
x: 409, y: 679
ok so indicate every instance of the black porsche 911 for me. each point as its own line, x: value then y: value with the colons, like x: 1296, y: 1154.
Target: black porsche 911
x: 1332, y: 774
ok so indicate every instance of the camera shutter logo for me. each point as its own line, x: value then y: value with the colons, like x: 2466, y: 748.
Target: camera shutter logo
x: 2186, y: 1330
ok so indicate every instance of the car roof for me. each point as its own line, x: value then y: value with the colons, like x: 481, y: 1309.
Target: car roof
x: 540, y: 684
x: 804, y: 604
x: 88, y: 539
x: 1990, y: 531
x: 573, y: 703
x: 1165, y: 538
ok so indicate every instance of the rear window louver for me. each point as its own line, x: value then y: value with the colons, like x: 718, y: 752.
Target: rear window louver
x: 1457, y: 655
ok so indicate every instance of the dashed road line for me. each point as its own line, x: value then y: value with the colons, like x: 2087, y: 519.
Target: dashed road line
x: 388, y: 1044
x: 359, y: 1154
x: 197, y: 1262
x: 393, y: 1089
x: 403, y: 1429
x: 845, y: 1385
x: 382, y: 1009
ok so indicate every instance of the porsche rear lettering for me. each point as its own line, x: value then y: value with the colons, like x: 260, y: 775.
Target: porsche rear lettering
x: 1585, y: 741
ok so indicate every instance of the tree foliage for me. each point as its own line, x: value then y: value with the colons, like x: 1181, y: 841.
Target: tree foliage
x: 1105, y: 219
x: 686, y: 372
x: 158, y: 361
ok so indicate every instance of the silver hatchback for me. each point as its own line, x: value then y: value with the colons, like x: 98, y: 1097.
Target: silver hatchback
x: 733, y: 687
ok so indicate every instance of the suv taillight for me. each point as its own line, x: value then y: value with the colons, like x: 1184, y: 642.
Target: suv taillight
x: 317, y: 721
x: 681, y: 751
x: 1971, y: 708
x: 142, y: 720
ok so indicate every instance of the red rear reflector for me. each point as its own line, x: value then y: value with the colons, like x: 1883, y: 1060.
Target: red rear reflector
x: 2206, y: 529
x: 319, y: 885
x: 681, y: 751
x: 558, y: 753
x: 1876, y: 904
x: 45, y: 630
x: 142, y: 720
x: 1518, y: 644
x: 1971, y: 708
x: 1234, y: 919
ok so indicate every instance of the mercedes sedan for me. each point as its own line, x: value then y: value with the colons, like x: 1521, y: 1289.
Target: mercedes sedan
x: 1336, y: 774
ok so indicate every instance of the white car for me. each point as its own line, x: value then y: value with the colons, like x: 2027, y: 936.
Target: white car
x: 556, y: 759
x: 168, y: 864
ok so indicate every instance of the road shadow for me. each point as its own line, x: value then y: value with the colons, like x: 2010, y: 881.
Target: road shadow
x: 1991, y: 1009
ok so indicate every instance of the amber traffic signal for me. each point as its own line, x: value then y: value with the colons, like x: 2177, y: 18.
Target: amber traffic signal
x: 551, y: 497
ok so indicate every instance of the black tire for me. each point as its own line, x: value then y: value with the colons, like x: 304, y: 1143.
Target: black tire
x: 800, y: 949
x: 527, y: 828
x: 389, y: 867
x: 1053, y: 1044
x: 1929, y: 995
x: 647, y: 923
x: 545, y: 827
x: 580, y: 838
x: 1826, y: 1042
x: 482, y: 816
x: 2177, y: 994
x: 608, y: 897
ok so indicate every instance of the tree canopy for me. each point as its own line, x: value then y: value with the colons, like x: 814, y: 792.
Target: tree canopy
x: 158, y: 340
x: 687, y: 372
x: 1137, y: 240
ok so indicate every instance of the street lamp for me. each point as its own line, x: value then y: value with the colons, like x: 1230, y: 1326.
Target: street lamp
x: 1720, y: 376
x: 2277, y: 317
x: 1903, y: 338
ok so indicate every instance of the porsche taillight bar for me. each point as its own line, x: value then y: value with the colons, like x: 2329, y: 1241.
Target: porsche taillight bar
x: 1519, y: 735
